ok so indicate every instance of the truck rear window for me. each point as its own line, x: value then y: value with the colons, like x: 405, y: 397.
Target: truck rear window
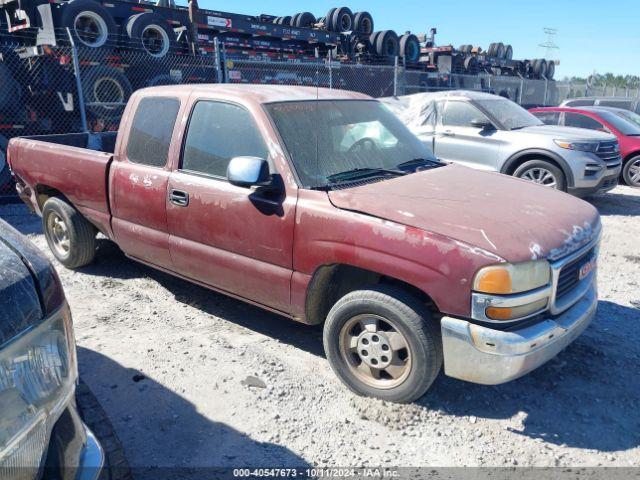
x: 151, y: 131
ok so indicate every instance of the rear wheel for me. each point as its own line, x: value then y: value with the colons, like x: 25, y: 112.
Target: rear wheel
x: 543, y: 173
x: 90, y: 23
x: 71, y: 238
x: 631, y: 172
x: 381, y: 342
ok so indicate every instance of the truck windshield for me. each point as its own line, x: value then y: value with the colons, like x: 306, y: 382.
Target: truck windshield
x: 509, y: 115
x: 328, y: 138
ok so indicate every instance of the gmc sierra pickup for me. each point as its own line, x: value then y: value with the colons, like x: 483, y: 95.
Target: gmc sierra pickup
x: 320, y: 205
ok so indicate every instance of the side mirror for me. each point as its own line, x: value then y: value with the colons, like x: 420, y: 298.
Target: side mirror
x: 248, y: 172
x: 482, y: 123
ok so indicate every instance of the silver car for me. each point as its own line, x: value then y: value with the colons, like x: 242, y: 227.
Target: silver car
x: 493, y: 133
x: 626, y: 103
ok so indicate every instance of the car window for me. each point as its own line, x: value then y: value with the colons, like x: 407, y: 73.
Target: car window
x: 579, y: 103
x: 460, y: 114
x: 151, y: 131
x: 549, y: 118
x: 581, y: 121
x: 626, y: 104
x: 217, y: 133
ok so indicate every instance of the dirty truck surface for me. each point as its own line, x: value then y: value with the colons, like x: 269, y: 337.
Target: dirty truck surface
x: 170, y: 362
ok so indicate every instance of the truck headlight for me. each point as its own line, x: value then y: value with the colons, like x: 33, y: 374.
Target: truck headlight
x: 507, y: 292
x: 38, y: 371
x: 581, y: 146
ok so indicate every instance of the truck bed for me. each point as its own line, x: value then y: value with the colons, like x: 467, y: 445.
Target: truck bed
x: 46, y: 165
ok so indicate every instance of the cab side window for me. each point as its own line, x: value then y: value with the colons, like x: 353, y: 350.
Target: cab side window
x: 218, y: 132
x: 581, y: 121
x: 460, y: 114
x: 151, y: 131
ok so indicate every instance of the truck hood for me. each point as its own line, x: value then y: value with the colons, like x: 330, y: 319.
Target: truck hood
x: 568, y: 133
x: 510, y: 218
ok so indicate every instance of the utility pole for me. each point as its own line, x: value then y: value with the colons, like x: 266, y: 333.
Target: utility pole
x: 550, y: 46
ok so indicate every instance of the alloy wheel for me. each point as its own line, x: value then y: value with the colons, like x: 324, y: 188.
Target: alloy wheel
x: 59, y: 234
x: 541, y: 176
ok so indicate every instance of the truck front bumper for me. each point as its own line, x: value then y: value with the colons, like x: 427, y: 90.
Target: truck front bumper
x: 483, y: 355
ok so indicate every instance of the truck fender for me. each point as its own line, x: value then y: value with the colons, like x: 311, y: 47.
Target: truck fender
x: 540, y: 152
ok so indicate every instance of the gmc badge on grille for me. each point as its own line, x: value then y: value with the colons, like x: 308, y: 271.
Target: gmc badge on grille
x: 587, y: 268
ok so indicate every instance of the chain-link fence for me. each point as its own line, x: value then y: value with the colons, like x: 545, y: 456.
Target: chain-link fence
x: 71, y: 88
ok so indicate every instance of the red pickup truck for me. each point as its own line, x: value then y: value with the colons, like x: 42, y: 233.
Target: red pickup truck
x: 321, y: 206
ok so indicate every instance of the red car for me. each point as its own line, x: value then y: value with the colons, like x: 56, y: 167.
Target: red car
x: 624, y: 124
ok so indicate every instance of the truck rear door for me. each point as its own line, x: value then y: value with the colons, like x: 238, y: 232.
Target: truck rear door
x: 138, y: 181
x: 235, y: 239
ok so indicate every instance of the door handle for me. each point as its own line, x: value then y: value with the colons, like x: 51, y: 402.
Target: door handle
x: 179, y: 198
x: 448, y: 133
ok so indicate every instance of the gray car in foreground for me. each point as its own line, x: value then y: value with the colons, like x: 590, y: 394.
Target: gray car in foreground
x: 41, y: 432
x: 490, y: 132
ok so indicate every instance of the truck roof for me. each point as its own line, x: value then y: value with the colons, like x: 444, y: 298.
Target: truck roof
x: 261, y: 93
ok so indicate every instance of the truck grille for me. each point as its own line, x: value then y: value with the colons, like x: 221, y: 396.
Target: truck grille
x: 569, y: 276
x: 609, y: 152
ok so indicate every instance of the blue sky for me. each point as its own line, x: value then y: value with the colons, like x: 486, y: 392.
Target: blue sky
x: 604, y: 36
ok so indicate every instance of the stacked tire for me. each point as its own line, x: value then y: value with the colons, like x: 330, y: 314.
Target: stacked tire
x: 541, y: 68
x: 500, y: 50
x: 150, y: 33
x: 384, y: 44
x: 91, y: 25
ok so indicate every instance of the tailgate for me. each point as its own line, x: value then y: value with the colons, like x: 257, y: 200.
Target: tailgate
x: 77, y: 173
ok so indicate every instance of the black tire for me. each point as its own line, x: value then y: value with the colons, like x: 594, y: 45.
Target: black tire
x: 81, y: 234
x: 342, y: 20
x: 508, y: 52
x: 631, y: 172
x: 100, y: 29
x: 164, y: 79
x: 491, y: 51
x: 363, y: 23
x: 116, y: 466
x: 150, y: 33
x: 103, y: 86
x: 409, y: 47
x: 10, y: 90
x: 539, y: 67
x: 276, y: 21
x: 551, y: 70
x: 372, y: 42
x: 532, y: 165
x: 471, y: 65
x: 411, y: 318
x: 500, y: 50
x: 5, y: 175
x: 327, y: 19
x: 387, y: 44
x: 304, y: 20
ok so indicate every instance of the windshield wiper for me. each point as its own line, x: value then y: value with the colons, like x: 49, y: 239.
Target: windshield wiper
x: 361, y: 172
x: 417, y: 162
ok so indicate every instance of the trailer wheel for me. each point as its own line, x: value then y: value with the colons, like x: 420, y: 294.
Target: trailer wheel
x: 539, y: 67
x: 491, y: 51
x: 5, y: 175
x: 500, y: 50
x: 10, y: 91
x: 341, y: 20
x: 162, y: 80
x: 471, y: 65
x: 285, y: 20
x: 410, y: 48
x: 106, y: 90
x: 372, y: 42
x: 327, y: 19
x: 508, y: 52
x: 303, y: 20
x: 152, y: 33
x: 551, y: 70
x: 89, y: 22
x: 387, y: 44
x: 363, y: 23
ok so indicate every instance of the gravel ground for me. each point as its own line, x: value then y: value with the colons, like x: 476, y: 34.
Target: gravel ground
x: 191, y: 378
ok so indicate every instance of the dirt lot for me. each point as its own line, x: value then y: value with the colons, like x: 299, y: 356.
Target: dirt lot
x: 169, y: 363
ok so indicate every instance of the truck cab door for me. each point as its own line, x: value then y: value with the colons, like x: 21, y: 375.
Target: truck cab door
x: 234, y: 239
x: 457, y: 140
x: 138, y: 181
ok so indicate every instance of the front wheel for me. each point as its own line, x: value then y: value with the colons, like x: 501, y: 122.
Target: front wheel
x: 71, y: 238
x: 382, y: 342
x: 543, y: 173
x: 631, y: 172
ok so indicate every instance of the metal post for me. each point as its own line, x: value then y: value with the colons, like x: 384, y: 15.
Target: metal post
x: 395, y: 76
x: 330, y: 70
x: 217, y: 59
x: 521, y: 90
x: 223, y: 59
x: 546, y: 89
x: 76, y: 71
